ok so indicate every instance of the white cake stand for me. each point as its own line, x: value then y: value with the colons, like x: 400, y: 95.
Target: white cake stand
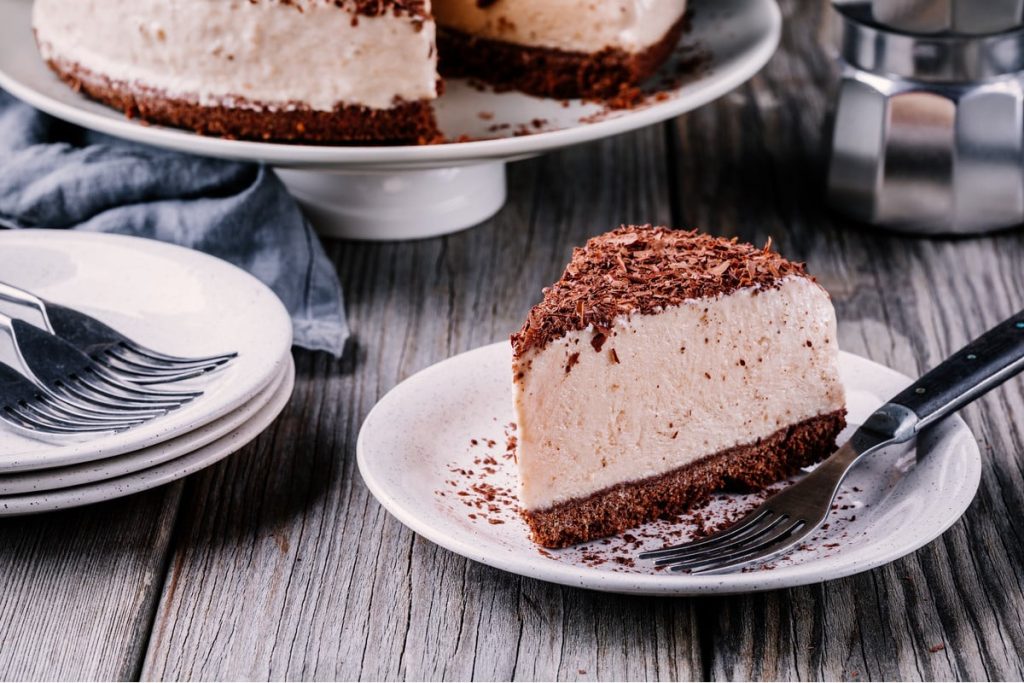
x: 408, y: 192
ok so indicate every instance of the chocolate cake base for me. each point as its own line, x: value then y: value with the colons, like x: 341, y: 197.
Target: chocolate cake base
x: 748, y: 467
x: 547, y: 72
x: 406, y: 122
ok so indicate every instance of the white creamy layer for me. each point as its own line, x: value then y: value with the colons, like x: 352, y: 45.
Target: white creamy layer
x: 569, y: 25
x: 693, y: 380
x: 263, y: 51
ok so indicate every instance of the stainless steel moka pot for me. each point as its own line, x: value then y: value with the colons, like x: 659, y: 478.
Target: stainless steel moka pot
x: 928, y: 127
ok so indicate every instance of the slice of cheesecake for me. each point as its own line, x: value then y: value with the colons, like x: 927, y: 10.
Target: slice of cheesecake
x: 663, y: 366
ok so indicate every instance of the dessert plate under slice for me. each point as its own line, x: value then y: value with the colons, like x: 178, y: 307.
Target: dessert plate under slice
x: 94, y: 471
x: 169, y: 298
x: 117, y: 487
x: 437, y: 453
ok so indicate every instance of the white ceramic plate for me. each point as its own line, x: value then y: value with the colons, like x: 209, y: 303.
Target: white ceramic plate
x: 166, y: 297
x: 135, y: 461
x: 739, y: 35
x: 423, y: 452
x: 76, y: 496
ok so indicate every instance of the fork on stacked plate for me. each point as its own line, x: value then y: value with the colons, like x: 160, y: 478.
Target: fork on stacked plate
x: 128, y: 363
x: 65, y: 373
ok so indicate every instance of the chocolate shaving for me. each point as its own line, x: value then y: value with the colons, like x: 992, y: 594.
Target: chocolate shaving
x: 573, y: 360
x: 369, y: 8
x: 645, y: 269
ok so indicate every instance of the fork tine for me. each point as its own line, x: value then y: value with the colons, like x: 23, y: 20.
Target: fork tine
x: 137, y: 376
x: 714, y: 539
x: 55, y: 404
x: 114, y: 388
x: 27, y: 413
x: 95, y: 386
x: 751, y: 545
x: 102, y: 374
x: 783, y: 538
x: 55, y: 413
x: 49, y: 426
x: 112, y: 359
x: 80, y: 397
x: 24, y: 422
x: 31, y: 410
x: 127, y: 356
x: 87, y: 384
x: 155, y: 355
x: 757, y: 532
x: 134, y: 372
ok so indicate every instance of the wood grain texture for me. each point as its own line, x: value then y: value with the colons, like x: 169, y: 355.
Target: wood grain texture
x: 78, y: 588
x: 278, y: 564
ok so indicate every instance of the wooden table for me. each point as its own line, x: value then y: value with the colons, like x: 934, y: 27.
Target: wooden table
x: 277, y: 563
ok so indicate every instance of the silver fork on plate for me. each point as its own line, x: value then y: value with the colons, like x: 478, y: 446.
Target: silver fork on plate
x: 32, y: 411
x: 787, y: 518
x: 46, y: 384
x: 122, y: 356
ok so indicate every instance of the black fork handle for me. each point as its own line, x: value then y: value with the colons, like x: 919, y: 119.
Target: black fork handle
x: 974, y: 370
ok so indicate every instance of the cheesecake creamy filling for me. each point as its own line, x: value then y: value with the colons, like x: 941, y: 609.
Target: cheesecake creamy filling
x: 668, y: 389
x: 569, y: 25
x: 241, y: 52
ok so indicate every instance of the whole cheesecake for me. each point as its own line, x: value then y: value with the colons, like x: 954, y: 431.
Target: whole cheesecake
x: 663, y: 366
x: 337, y: 71
x: 283, y: 70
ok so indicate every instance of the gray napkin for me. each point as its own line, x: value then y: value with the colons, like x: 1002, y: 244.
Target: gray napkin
x: 54, y: 175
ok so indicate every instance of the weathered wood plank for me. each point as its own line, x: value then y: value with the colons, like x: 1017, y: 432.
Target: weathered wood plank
x: 286, y: 567
x: 78, y: 589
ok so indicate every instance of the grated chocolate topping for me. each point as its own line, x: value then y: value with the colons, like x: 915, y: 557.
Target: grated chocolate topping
x: 369, y: 8
x: 644, y: 269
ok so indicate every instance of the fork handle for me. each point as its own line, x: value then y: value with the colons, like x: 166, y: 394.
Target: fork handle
x: 10, y: 352
x: 19, y: 297
x: 974, y: 370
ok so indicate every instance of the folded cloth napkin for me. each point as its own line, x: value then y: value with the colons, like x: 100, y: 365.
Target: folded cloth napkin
x: 54, y: 175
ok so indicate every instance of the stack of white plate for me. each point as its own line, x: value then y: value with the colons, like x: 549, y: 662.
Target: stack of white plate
x: 171, y: 299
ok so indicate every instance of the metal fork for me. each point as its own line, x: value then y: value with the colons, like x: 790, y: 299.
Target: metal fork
x: 787, y: 518
x: 31, y: 411
x: 122, y: 356
x: 66, y: 389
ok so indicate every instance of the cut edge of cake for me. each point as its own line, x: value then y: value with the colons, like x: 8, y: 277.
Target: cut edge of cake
x: 552, y: 72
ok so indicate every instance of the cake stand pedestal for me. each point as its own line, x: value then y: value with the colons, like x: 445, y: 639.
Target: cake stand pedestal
x: 397, y: 204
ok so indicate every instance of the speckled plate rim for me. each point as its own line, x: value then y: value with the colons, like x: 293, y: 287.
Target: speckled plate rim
x: 150, y: 478
x: 949, y: 439
x: 230, y: 308
x: 24, y: 75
